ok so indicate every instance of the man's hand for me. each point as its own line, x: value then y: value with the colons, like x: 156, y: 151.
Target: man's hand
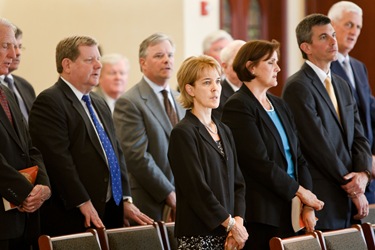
x: 91, y: 215
x: 361, y: 203
x: 131, y: 212
x: 35, y: 199
x: 357, y: 183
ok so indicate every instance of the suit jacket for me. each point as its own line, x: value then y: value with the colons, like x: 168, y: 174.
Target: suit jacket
x: 26, y: 91
x: 16, y: 153
x: 209, y: 186
x: 74, y: 158
x: 143, y: 128
x: 226, y: 92
x: 366, y: 106
x: 332, y: 148
x: 261, y: 156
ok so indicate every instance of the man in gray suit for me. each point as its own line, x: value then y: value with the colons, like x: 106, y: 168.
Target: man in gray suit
x: 329, y: 128
x: 143, y: 127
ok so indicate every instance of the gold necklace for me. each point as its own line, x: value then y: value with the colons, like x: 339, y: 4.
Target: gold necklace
x: 209, y: 129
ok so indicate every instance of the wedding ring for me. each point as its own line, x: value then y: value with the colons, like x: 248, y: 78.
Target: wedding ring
x: 354, y: 193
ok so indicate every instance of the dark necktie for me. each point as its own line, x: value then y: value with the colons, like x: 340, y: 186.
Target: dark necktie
x: 5, y: 105
x: 171, y: 113
x: 19, y: 99
x: 110, y: 153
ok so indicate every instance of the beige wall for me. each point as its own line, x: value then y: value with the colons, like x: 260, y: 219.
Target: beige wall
x: 118, y: 25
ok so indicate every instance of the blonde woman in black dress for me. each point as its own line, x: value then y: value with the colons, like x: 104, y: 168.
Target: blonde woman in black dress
x: 210, y: 188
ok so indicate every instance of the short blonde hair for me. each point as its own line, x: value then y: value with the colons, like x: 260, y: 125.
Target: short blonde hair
x: 189, y: 72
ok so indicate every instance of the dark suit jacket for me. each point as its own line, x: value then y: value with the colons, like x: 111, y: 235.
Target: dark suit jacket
x: 332, y: 148
x: 366, y: 105
x: 74, y: 158
x: 209, y: 186
x: 16, y: 153
x: 26, y: 91
x: 261, y: 156
x: 226, y: 92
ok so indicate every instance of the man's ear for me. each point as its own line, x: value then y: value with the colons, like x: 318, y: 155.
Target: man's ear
x: 66, y: 64
x: 306, y: 47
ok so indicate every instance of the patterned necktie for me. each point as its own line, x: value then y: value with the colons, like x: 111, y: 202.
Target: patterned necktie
x: 19, y: 99
x: 171, y: 113
x: 110, y: 153
x: 5, y: 105
x: 331, y: 93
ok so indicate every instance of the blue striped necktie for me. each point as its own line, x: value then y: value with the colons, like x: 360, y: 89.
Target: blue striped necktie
x: 110, y: 153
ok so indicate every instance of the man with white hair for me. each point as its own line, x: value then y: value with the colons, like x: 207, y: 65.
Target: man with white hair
x: 347, y: 21
x: 113, y: 79
x: 215, y: 42
x: 230, y: 82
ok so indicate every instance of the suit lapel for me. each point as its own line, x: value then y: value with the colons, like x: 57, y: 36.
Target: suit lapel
x: 153, y: 104
x: 14, y: 129
x: 79, y: 108
x: 205, y: 135
x: 101, y: 109
x: 227, y: 89
x: 318, y: 85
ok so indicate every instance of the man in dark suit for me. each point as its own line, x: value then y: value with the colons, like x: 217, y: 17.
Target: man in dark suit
x: 74, y: 130
x: 143, y: 126
x: 21, y: 88
x: 18, y: 227
x: 329, y: 127
x: 230, y: 83
x: 346, y: 18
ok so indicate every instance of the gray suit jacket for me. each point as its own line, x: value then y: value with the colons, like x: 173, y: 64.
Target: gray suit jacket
x: 332, y: 148
x: 143, y: 129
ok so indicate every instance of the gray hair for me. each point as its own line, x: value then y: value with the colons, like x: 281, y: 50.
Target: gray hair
x: 114, y: 59
x: 337, y: 10
x: 155, y: 38
x: 229, y: 52
x: 215, y: 36
x: 5, y: 22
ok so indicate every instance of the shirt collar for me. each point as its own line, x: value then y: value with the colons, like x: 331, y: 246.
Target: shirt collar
x: 156, y: 88
x: 321, y: 74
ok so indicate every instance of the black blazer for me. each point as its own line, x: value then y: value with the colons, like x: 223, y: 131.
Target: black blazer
x: 226, y: 92
x: 332, y: 148
x: 16, y: 153
x: 261, y: 156
x: 74, y: 158
x: 209, y: 186
x: 26, y: 91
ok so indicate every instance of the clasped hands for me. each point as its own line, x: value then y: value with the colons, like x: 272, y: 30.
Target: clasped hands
x: 35, y: 199
x: 355, y: 189
x: 237, y: 236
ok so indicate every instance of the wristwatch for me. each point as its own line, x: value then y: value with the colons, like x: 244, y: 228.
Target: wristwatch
x: 129, y: 200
